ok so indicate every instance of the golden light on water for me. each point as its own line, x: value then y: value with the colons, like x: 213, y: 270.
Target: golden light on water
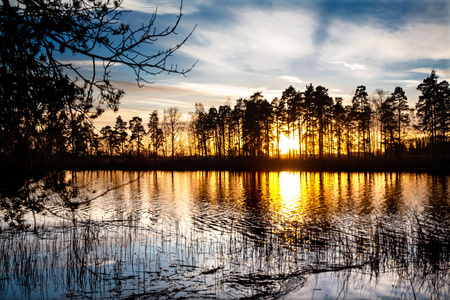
x: 285, y: 195
x: 290, y: 187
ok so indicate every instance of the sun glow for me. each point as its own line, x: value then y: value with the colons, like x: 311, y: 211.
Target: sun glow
x: 290, y: 189
x: 287, y: 143
x: 286, y: 196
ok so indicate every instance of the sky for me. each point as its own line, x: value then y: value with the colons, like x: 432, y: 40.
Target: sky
x: 241, y: 47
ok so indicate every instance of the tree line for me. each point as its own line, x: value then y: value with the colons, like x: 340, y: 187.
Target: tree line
x: 48, y: 105
x: 377, y: 125
x: 381, y: 125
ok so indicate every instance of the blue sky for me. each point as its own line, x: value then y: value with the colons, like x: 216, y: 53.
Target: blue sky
x: 248, y: 46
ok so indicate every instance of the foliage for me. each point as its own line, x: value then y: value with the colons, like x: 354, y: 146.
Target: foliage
x: 433, y: 110
x: 376, y: 125
x: 137, y: 133
x: 46, y: 102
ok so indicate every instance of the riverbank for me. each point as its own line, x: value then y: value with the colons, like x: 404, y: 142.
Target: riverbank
x: 237, y: 164
x: 265, y: 164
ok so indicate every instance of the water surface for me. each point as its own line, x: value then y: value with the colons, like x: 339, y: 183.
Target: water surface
x: 291, y: 235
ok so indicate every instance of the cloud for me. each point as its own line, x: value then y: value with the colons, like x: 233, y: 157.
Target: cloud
x: 140, y: 101
x: 442, y: 73
x: 375, y: 44
x: 88, y: 63
x: 245, y: 47
x: 293, y: 79
x: 222, y: 91
x: 407, y: 83
x: 350, y: 66
x: 162, y: 7
x: 255, y: 41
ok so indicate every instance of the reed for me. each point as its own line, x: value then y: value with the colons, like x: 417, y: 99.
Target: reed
x: 154, y: 254
x: 127, y: 259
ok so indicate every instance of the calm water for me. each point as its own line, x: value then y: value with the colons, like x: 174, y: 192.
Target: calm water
x: 289, y: 235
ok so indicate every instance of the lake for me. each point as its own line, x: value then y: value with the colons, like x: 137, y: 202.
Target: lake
x: 226, y: 235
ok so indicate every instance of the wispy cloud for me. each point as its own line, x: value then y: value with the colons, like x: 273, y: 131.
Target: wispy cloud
x: 293, y: 79
x: 222, y: 91
x: 407, y: 83
x: 353, y: 66
x: 87, y: 63
x: 161, y: 7
x: 377, y: 45
x: 257, y: 41
x: 442, y: 73
x: 248, y: 46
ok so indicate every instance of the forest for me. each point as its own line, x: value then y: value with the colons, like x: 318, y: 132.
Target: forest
x: 298, y: 125
x: 48, y: 106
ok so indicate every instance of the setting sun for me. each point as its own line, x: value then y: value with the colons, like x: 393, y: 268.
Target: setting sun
x: 287, y: 143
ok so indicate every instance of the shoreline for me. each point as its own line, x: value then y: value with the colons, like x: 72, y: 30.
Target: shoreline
x: 234, y: 164
x: 249, y: 164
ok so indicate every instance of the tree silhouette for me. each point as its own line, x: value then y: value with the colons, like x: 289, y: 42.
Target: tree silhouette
x: 110, y: 138
x: 279, y: 115
x: 362, y: 113
x: 349, y: 127
x: 433, y: 110
x: 257, y: 125
x: 155, y: 132
x: 225, y: 128
x: 45, y: 98
x: 137, y: 133
x: 427, y: 107
x: 327, y: 127
x: 91, y: 30
x: 293, y: 100
x: 444, y: 115
x: 310, y: 130
x: 402, y: 115
x: 212, y: 125
x: 322, y: 108
x: 174, y: 128
x: 81, y: 131
x: 266, y: 117
x: 388, y: 124
x: 237, y: 116
x: 122, y: 134
x: 377, y: 101
x: 339, y: 114
x: 199, y: 129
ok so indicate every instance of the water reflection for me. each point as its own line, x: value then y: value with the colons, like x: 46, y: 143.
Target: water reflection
x: 236, y: 235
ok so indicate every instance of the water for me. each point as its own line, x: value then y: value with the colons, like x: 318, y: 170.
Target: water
x: 289, y: 235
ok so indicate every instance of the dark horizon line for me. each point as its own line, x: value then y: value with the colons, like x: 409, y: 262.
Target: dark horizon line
x: 247, y: 164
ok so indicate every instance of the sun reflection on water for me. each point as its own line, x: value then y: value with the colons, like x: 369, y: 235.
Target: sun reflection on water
x: 233, y: 233
x: 285, y: 196
x: 290, y: 188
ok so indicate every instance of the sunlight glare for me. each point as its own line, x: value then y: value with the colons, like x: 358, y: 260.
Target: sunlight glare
x: 290, y: 188
x: 287, y: 143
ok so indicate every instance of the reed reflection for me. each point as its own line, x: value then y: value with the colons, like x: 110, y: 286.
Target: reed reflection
x: 242, y: 234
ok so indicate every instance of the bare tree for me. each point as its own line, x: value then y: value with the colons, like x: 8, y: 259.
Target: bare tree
x: 174, y: 127
x: 41, y: 88
x: 91, y: 30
